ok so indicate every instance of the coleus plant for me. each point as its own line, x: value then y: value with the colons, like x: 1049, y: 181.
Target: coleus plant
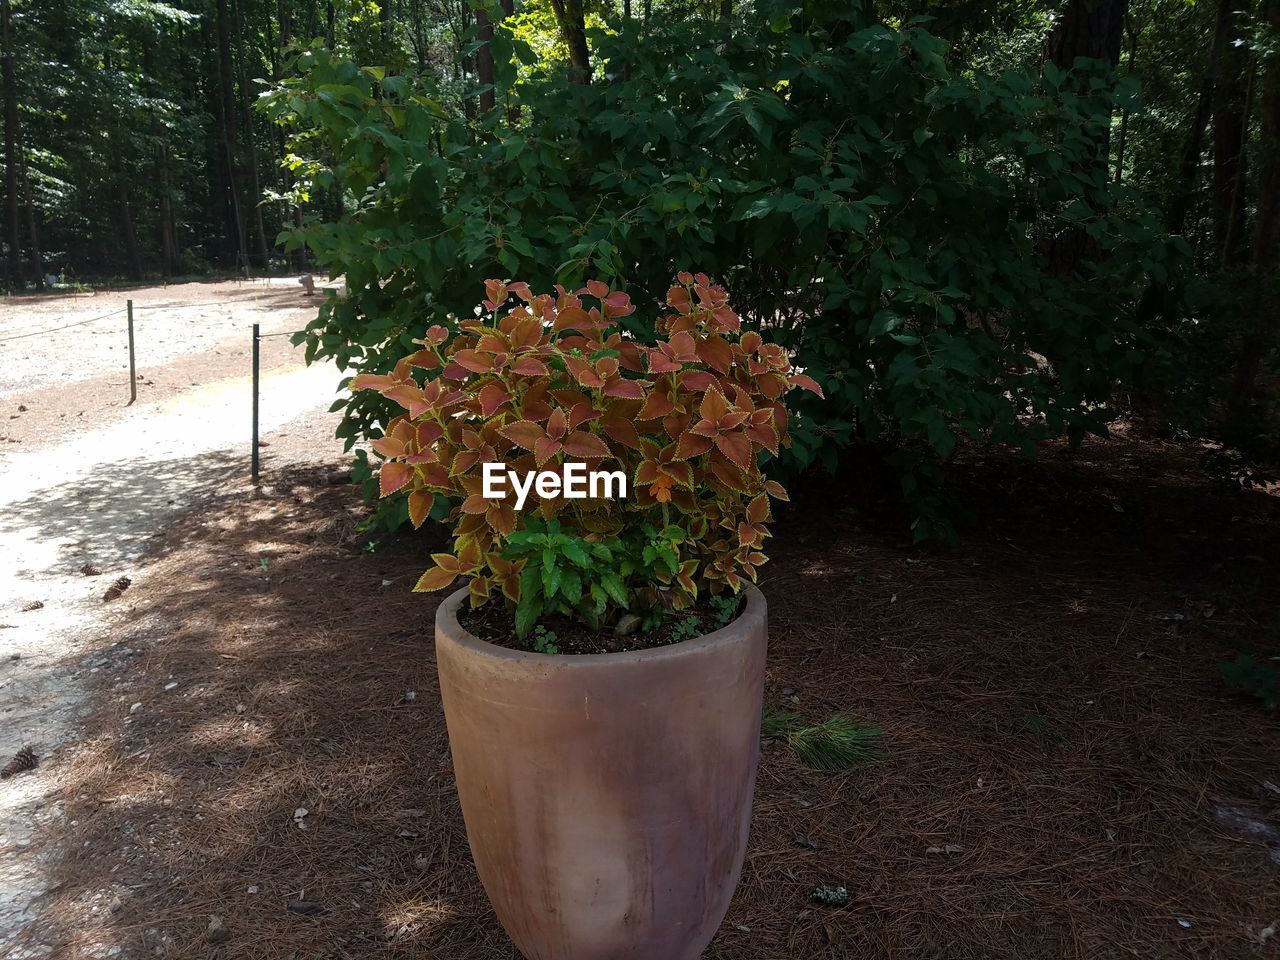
x: 537, y: 381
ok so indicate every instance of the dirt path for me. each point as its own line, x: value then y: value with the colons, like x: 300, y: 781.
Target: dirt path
x: 86, y: 481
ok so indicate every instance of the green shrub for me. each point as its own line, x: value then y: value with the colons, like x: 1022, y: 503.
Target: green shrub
x: 885, y: 215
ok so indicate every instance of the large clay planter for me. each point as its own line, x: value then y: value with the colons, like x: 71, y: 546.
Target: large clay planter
x: 607, y: 798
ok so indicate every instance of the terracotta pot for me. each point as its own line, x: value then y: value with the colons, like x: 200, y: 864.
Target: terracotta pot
x: 607, y: 797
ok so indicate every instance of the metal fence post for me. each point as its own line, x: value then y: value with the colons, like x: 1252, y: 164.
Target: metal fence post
x: 254, y: 461
x: 133, y: 369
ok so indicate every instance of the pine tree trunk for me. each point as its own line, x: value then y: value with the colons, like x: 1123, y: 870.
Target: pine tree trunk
x: 1230, y: 137
x: 227, y: 124
x: 1123, y: 137
x: 484, y: 61
x: 572, y: 20
x: 13, y: 261
x: 251, y: 146
x: 1087, y: 28
x: 169, y: 259
x: 130, y: 236
x: 33, y: 235
x: 1265, y: 322
x: 1090, y: 29
x: 1189, y: 162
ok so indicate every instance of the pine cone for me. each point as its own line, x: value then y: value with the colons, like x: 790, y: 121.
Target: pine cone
x: 117, y: 588
x: 24, y: 759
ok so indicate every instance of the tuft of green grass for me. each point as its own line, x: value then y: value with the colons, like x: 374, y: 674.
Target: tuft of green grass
x: 835, y: 744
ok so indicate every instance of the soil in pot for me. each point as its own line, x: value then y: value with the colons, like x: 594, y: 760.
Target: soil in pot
x: 494, y: 623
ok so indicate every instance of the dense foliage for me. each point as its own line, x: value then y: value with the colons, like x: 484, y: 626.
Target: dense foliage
x: 555, y: 381
x: 971, y: 221
x: 884, y: 215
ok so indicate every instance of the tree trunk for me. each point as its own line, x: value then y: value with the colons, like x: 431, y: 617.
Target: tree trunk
x: 33, y: 235
x: 227, y: 122
x: 1092, y: 30
x: 133, y: 260
x: 1189, y: 162
x: 250, y: 143
x: 484, y: 61
x: 1230, y: 138
x: 169, y: 260
x: 1261, y: 336
x: 1122, y: 139
x: 726, y: 8
x: 13, y: 261
x: 1087, y: 28
x: 572, y: 20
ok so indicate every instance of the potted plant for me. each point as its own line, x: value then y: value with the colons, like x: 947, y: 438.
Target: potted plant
x: 602, y: 671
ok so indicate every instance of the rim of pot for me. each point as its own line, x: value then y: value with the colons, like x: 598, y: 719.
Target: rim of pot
x: 447, y: 623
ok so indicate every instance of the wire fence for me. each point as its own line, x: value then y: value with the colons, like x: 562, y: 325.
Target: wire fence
x: 68, y: 326
x: 129, y: 310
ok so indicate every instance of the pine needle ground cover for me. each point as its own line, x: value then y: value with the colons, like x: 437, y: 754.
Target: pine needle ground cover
x: 1060, y: 770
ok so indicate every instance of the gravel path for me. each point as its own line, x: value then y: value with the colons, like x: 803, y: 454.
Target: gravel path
x: 84, y: 484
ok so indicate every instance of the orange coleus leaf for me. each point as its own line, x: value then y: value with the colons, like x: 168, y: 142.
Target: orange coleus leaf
x: 727, y: 320
x: 775, y: 490
x: 678, y: 298
x: 692, y: 445
x: 437, y: 578
x: 597, y: 289
x: 545, y: 449
x: 805, y: 382
x: 585, y: 446
x: 683, y: 347
x: 618, y: 304
x: 625, y: 389
x: 373, y: 381
x: 716, y: 352
x: 698, y: 380
x: 529, y: 367
x: 758, y: 509
x: 475, y: 504
x: 735, y: 446
x: 479, y: 588
x: 501, y: 516
x: 623, y: 431
x: 583, y: 372
x: 728, y: 474
x: 772, y: 385
x: 419, y: 506
x: 424, y: 360
x: 497, y: 291
x: 580, y: 413
x: 657, y: 406
x: 761, y: 430
x: 660, y: 362
x: 524, y: 433
x: 388, y: 446
x: 492, y: 397
x: 572, y: 318
x: 474, y: 360
x: 410, y: 396
x: 713, y: 406
x: 393, y: 476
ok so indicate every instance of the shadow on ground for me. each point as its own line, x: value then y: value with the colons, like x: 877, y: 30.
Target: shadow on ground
x: 1056, y: 736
